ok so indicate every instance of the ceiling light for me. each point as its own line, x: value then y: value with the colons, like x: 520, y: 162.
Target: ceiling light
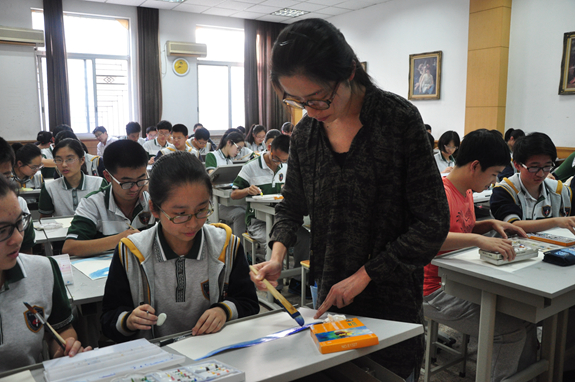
x: 287, y: 12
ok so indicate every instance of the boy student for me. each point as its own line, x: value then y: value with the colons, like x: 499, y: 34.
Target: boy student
x: 482, y: 155
x: 101, y: 135
x: 200, y: 143
x: 133, y: 131
x: 529, y: 199
x: 106, y: 216
x: 160, y: 142
x: 210, y: 146
x: 151, y: 133
x: 179, y: 136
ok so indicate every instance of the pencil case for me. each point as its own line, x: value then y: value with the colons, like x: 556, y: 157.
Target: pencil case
x: 562, y: 257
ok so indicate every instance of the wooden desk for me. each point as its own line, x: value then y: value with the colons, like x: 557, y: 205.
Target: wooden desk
x: 531, y: 290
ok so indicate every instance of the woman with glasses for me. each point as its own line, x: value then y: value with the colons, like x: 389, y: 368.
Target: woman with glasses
x: 61, y: 197
x: 33, y: 279
x: 447, y: 144
x: 28, y: 163
x: 205, y: 264
x: 378, y: 210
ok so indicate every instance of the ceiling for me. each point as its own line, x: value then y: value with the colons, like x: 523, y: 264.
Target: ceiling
x: 256, y: 9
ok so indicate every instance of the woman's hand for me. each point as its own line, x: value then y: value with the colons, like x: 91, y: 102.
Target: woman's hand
x: 73, y: 347
x: 142, y: 318
x: 212, y: 321
x: 343, y: 293
x: 269, y: 270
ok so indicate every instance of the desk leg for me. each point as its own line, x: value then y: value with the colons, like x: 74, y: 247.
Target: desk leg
x: 485, y: 340
x: 563, y: 318
x: 548, y: 343
x: 215, y: 218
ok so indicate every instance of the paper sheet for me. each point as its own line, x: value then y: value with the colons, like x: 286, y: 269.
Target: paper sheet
x: 24, y: 376
x: 94, y: 267
x: 268, y: 197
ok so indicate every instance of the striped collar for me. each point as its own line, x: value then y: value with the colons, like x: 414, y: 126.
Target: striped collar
x: 195, y: 252
x: 82, y: 187
x: 12, y: 275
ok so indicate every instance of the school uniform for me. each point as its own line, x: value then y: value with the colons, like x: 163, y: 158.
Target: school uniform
x: 102, y: 147
x: 141, y: 141
x: 201, y: 153
x: 216, y: 159
x: 34, y: 182
x: 48, y: 172
x: 94, y: 164
x: 152, y: 147
x: 173, y: 149
x: 213, y: 274
x: 59, y: 198
x: 38, y: 281
x: 99, y: 216
x: 255, y: 147
x: 29, y: 235
x: 442, y: 164
x: 245, y: 154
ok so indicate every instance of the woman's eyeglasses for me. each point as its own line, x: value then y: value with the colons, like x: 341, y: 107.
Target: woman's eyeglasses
x: 314, y: 104
x: 181, y: 219
x: 59, y: 161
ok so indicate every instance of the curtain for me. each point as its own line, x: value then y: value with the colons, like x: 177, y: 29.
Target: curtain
x: 149, y: 71
x: 56, y: 64
x: 262, y: 105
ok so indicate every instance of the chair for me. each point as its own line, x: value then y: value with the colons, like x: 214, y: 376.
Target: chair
x: 254, y: 243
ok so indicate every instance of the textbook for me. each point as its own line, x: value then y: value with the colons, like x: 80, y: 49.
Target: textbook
x: 337, y: 336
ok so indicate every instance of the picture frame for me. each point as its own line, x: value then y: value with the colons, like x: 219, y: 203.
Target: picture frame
x: 567, y: 83
x: 425, y: 76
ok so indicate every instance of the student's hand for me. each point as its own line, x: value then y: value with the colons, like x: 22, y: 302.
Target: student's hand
x: 343, y: 293
x: 127, y: 233
x: 254, y: 190
x: 492, y: 244
x: 142, y: 318
x: 500, y: 227
x: 151, y: 161
x: 567, y: 222
x: 269, y: 270
x: 447, y: 170
x: 73, y: 347
x: 212, y: 321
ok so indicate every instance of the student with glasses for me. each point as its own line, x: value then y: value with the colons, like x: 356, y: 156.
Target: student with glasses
x: 62, y: 196
x: 179, y: 143
x: 372, y: 228
x: 36, y: 280
x: 153, y: 146
x: 103, y: 138
x: 205, y: 265
x: 447, y: 145
x: 255, y: 138
x: 106, y: 216
x: 529, y: 199
x: 28, y: 163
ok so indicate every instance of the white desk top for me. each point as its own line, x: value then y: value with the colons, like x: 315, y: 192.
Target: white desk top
x: 57, y: 234
x: 85, y: 290
x: 484, y: 196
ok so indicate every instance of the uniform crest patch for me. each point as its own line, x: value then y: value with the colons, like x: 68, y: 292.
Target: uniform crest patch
x: 281, y: 177
x: 546, y: 211
x: 34, y: 323
x: 206, y: 289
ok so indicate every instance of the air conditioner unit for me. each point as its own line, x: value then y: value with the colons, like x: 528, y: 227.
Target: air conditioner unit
x: 175, y: 48
x: 21, y: 36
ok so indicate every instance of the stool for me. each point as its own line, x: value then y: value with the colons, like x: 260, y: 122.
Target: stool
x: 431, y: 346
x: 304, y: 270
x: 246, y: 236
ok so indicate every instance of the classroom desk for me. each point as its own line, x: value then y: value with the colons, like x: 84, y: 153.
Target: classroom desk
x: 85, y: 290
x: 265, y: 210
x: 531, y: 290
x: 223, y: 197
x: 480, y: 197
x: 48, y: 236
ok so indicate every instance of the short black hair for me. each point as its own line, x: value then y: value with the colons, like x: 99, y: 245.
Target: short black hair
x: 26, y: 153
x: 174, y: 170
x: 133, y: 127
x: 151, y: 128
x: 486, y: 146
x: 431, y: 141
x: 6, y: 152
x: 447, y: 137
x: 126, y: 154
x: 68, y: 134
x: 287, y: 127
x: 202, y: 133
x: 62, y: 127
x: 534, y: 144
x: 197, y: 126
x: 101, y: 129
x: 44, y: 137
x: 281, y: 142
x: 272, y: 134
x: 164, y: 125
x: 180, y: 128
x: 233, y: 136
x: 514, y: 133
x: 428, y: 128
x: 241, y: 129
x: 6, y: 187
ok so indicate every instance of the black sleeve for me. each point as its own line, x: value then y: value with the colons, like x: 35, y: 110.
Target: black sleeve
x: 117, y: 299
x: 158, y: 155
x: 100, y: 167
x: 507, y: 172
x: 242, y: 291
x: 503, y: 205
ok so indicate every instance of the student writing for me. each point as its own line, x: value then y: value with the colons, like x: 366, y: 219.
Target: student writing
x: 28, y: 163
x: 160, y: 142
x: 179, y: 136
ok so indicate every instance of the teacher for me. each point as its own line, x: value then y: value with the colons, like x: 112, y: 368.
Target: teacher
x: 360, y: 166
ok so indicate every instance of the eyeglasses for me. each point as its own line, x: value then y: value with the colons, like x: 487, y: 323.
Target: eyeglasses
x: 35, y: 168
x: 98, y: 135
x: 535, y: 169
x: 59, y: 161
x: 127, y: 185
x: 6, y: 231
x: 181, y: 219
x: 452, y: 148
x: 178, y: 138
x: 164, y: 134
x: 276, y: 159
x: 314, y: 104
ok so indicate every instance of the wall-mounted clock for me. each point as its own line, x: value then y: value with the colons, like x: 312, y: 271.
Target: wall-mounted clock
x: 181, y: 67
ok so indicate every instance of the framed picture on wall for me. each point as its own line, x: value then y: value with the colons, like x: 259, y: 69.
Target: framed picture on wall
x: 424, y: 76
x: 567, y: 84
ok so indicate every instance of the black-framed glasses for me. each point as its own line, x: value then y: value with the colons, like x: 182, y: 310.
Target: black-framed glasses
x: 36, y: 168
x: 181, y: 219
x: 536, y: 169
x: 127, y: 185
x: 68, y: 161
x: 277, y: 159
x: 7, y: 230
x: 314, y: 104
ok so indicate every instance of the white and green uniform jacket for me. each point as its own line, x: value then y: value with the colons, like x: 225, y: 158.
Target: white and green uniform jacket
x: 34, y: 182
x: 60, y: 199
x: 152, y: 147
x: 216, y: 159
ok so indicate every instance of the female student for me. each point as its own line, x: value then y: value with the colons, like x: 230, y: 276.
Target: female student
x: 255, y: 138
x: 93, y: 164
x: 33, y: 279
x: 45, y: 142
x: 210, y: 274
x: 270, y: 136
x: 61, y: 197
x: 28, y: 162
x: 447, y: 145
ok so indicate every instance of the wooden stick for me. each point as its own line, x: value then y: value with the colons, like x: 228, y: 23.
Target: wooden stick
x: 289, y: 307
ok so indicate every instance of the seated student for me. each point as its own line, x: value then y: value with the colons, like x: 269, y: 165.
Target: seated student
x: 103, y: 138
x: 529, y: 199
x: 160, y: 142
x: 45, y: 142
x: 287, y: 128
x: 482, y: 155
x: 104, y: 217
x: 36, y: 280
x: 255, y: 138
x: 200, y: 143
x: 211, y: 146
x: 179, y: 136
x: 7, y: 160
x: 511, y: 136
x: 28, y: 162
x: 447, y: 145
x: 61, y: 197
x: 151, y: 133
x: 270, y: 136
x: 133, y: 132
x: 93, y: 164
x: 244, y: 154
x: 205, y: 265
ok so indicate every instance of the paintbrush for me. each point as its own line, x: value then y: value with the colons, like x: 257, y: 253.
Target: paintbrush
x: 293, y: 312
x: 54, y: 333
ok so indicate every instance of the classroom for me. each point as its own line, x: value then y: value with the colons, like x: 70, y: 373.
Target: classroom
x: 499, y: 65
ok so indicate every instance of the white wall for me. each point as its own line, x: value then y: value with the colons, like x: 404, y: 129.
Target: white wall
x: 536, y: 48
x: 385, y: 35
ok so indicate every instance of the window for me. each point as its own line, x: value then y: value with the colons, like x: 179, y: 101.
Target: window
x: 221, y: 78
x: 99, y: 75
